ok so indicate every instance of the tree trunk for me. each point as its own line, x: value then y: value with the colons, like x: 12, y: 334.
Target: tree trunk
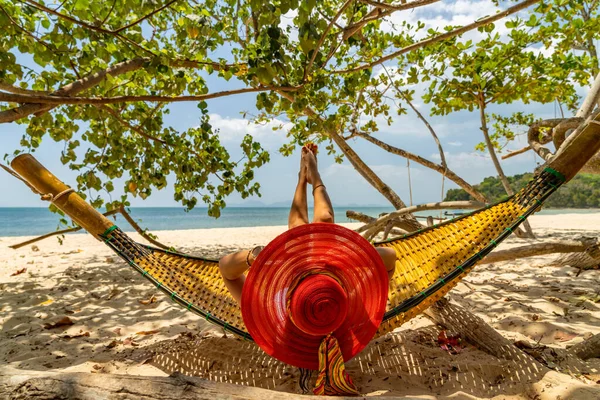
x: 366, y: 219
x: 591, y: 100
x: 429, y: 164
x: 539, y: 249
x: 457, y: 319
x: 496, y: 162
x: 21, y: 384
x: 372, y: 228
x: 408, y: 223
x: 589, y: 348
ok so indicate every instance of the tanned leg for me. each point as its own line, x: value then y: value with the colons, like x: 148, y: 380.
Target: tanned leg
x: 323, y: 209
x: 299, y: 210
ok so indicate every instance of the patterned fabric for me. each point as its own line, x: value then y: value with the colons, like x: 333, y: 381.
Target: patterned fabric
x: 333, y: 380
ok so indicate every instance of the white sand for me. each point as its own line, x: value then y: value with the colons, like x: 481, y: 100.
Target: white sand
x: 82, y: 279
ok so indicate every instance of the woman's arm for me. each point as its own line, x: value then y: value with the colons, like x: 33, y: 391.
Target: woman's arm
x: 232, y: 268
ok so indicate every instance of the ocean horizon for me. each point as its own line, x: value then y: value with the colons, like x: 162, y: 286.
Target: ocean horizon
x: 32, y: 221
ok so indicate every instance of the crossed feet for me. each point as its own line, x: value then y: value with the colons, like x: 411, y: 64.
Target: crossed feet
x: 309, y: 170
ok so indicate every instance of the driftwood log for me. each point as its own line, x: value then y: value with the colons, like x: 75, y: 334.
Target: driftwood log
x: 589, y: 348
x: 539, y: 249
x: 457, y: 319
x: 19, y: 384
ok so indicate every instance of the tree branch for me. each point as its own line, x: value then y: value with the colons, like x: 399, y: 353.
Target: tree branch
x: 140, y: 230
x: 144, y: 17
x: 6, y: 87
x: 322, y: 39
x: 57, y: 100
x: 107, y: 15
x: 369, y: 228
x: 444, y: 36
x: 72, y: 89
x: 85, y: 24
x: 55, y: 233
x: 75, y: 21
x: 591, y: 100
x: 92, y: 80
x: 516, y: 152
x: 422, y: 118
x: 36, y: 385
x: 373, y: 15
x: 538, y: 249
x: 537, y: 140
x: 139, y: 131
x: 448, y: 173
x: 398, y: 7
x: 559, y: 132
x: 589, y: 348
x: 458, y: 319
x: 25, y: 31
x: 136, y: 129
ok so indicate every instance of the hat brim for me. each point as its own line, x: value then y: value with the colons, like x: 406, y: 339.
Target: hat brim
x: 314, y: 248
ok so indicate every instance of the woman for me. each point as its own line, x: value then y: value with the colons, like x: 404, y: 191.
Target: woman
x: 233, y: 266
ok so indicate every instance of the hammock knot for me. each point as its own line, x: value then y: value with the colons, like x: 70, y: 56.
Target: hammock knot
x: 52, y: 198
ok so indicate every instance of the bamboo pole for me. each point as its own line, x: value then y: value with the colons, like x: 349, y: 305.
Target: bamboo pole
x: 70, y: 203
x: 55, y: 233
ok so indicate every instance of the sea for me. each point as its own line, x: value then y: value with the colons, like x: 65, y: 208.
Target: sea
x: 39, y: 221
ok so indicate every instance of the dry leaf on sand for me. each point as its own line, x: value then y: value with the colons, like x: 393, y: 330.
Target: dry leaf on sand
x: 64, y: 321
x: 131, y: 342
x: 563, y: 336
x: 19, y: 272
x: 144, y: 333
x: 77, y: 335
x: 149, y: 301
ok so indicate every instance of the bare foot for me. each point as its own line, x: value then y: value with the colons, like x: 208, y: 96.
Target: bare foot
x: 302, y: 174
x: 312, y: 170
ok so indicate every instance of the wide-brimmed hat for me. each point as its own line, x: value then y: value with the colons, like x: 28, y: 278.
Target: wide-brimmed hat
x: 312, y: 281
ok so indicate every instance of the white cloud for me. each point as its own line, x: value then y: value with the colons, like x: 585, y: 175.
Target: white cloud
x: 455, y: 144
x: 234, y: 130
x: 287, y: 22
x: 464, y: 160
x: 449, y: 13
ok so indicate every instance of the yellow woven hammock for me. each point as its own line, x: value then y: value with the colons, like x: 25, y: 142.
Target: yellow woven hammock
x: 429, y: 263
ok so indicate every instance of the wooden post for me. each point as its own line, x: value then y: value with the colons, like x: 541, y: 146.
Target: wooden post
x: 71, y: 203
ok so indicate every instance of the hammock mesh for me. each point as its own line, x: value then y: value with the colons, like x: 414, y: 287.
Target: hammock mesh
x: 429, y: 262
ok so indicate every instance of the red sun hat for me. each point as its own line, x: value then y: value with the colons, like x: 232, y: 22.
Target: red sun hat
x: 311, y: 281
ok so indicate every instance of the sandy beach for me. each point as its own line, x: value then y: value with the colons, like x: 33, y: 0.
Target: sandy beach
x: 534, y: 300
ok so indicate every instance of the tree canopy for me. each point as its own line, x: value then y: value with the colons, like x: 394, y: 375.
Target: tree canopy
x: 99, y: 76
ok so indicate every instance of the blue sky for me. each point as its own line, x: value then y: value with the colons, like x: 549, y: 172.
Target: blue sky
x: 459, y: 133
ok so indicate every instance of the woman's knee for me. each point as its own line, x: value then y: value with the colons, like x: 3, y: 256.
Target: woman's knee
x: 325, y: 216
